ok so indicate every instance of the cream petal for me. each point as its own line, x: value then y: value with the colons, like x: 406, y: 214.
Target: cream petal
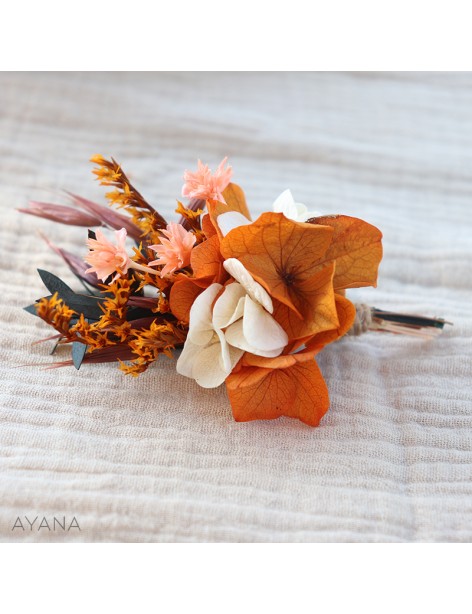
x: 285, y: 204
x: 235, y: 336
x: 261, y: 330
x: 225, y: 359
x: 229, y: 354
x: 298, y: 212
x: 187, y: 358
x: 301, y: 212
x: 234, y: 355
x: 230, y: 220
x: 237, y: 270
x: 229, y: 307
x: 201, y: 328
x: 209, y: 371
x: 282, y: 201
x: 209, y: 366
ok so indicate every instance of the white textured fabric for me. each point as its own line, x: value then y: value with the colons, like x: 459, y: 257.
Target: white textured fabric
x: 157, y: 458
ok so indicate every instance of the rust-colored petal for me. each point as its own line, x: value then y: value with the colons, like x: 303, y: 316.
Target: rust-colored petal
x: 236, y: 200
x: 298, y: 391
x: 182, y: 295
x: 207, y: 266
x: 208, y: 228
x: 280, y: 254
x: 346, y: 314
x: 206, y: 260
x: 279, y: 362
x: 314, y: 300
x: 357, y: 249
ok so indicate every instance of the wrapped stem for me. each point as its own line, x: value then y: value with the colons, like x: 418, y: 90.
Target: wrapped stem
x: 374, y: 319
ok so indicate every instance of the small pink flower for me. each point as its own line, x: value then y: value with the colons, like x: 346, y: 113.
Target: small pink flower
x: 174, y: 251
x: 203, y: 185
x: 107, y: 258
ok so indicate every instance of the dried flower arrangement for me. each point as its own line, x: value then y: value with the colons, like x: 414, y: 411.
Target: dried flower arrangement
x: 250, y: 303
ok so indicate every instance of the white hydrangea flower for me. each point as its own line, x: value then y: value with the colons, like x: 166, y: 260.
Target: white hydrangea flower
x: 298, y: 212
x: 285, y: 203
x: 230, y: 220
x: 239, y: 322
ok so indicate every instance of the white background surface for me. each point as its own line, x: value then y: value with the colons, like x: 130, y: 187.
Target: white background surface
x: 158, y: 459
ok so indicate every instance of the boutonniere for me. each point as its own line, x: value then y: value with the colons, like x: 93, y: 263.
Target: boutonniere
x: 244, y: 302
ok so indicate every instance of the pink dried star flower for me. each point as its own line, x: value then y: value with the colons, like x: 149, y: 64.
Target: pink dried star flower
x: 203, y: 185
x: 107, y: 258
x: 174, y: 251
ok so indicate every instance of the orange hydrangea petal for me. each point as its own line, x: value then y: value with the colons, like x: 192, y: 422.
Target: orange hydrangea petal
x: 357, y: 249
x: 236, y: 200
x: 279, y: 253
x: 206, y: 260
x: 182, y: 295
x: 207, y: 266
x: 207, y: 226
x: 279, y: 362
x: 314, y: 299
x: 346, y: 313
x: 298, y: 391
